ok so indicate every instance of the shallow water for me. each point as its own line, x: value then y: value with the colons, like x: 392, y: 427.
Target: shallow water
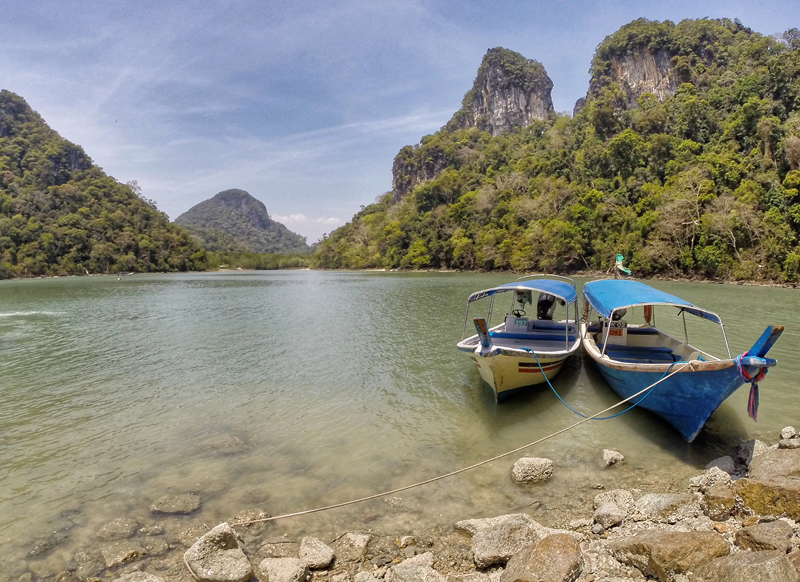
x: 289, y: 390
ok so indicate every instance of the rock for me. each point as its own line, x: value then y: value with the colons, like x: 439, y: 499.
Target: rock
x: 279, y: 548
x: 140, y: 577
x: 706, y: 480
x: 789, y: 444
x: 609, y: 515
x: 315, y: 553
x: 619, y: 497
x: 725, y: 463
x: 151, y: 530
x: 775, y: 464
x: 365, y: 577
x: 406, y: 541
x: 666, y: 553
x: 612, y: 458
x: 750, y: 449
x: 557, y: 558
x: 774, y: 535
x: 598, y: 529
x: 189, y: 536
x: 284, y: 570
x: 119, y: 529
x: 719, y: 501
x: 416, y: 569
x: 157, y: 547
x: 352, y: 547
x: 663, y: 506
x: 176, y: 504
x: 218, y: 557
x: 89, y: 563
x: 121, y: 552
x: 794, y: 558
x: 532, y: 470
x: 770, y: 566
x: 724, y: 528
x: 496, y: 539
x: 779, y: 496
x: 788, y: 433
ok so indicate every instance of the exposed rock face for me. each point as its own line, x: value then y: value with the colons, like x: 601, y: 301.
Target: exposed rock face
x: 663, y: 553
x: 315, y: 553
x: 510, y: 91
x: 645, y: 71
x: 556, y: 557
x: 750, y: 567
x: 775, y: 535
x: 416, y: 569
x: 284, y: 570
x: 218, y: 557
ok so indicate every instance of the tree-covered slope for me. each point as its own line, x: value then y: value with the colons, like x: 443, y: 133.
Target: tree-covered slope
x: 233, y: 220
x: 60, y: 214
x: 685, y: 157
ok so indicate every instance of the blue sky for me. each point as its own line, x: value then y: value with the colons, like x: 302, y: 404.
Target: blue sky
x: 304, y: 104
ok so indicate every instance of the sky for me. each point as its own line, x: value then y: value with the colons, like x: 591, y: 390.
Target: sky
x: 304, y: 104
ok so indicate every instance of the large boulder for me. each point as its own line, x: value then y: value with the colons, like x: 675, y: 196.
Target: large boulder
x: 666, y: 506
x: 666, y: 553
x: 557, y: 558
x: 416, y: 569
x: 719, y: 501
x: 769, y: 566
x: 773, y: 535
x: 315, y: 553
x: 773, y: 487
x: 496, y: 539
x: 352, y: 547
x: 619, y: 497
x: 529, y: 470
x: 218, y: 557
x: 284, y: 570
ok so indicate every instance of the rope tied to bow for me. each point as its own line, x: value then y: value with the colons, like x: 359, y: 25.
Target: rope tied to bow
x: 752, y: 401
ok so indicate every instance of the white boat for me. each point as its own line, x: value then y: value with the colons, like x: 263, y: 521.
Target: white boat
x: 524, y: 351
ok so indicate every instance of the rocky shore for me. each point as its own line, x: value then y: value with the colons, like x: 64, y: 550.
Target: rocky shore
x: 737, y: 521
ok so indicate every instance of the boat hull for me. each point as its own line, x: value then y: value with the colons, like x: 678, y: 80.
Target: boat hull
x: 507, y: 374
x: 686, y: 400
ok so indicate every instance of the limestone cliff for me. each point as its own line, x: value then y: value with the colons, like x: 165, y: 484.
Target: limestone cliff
x: 641, y: 71
x: 510, y: 91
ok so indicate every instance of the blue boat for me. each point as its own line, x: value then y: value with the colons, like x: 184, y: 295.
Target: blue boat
x: 524, y: 350
x: 632, y: 357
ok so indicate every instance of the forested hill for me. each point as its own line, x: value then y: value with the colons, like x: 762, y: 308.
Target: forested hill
x: 233, y: 220
x: 61, y: 215
x: 684, y: 156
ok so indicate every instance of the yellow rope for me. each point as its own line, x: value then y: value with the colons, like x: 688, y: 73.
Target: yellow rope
x: 452, y: 473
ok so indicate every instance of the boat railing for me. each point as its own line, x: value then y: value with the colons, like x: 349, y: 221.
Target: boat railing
x: 547, y: 276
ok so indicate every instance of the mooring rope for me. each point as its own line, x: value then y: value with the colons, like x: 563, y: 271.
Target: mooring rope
x: 458, y: 471
x: 631, y: 407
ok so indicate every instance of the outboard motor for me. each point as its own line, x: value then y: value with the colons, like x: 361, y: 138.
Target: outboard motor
x: 546, y: 306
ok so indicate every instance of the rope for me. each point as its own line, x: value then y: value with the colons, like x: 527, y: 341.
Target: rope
x: 583, y: 415
x: 752, y: 401
x: 463, y: 470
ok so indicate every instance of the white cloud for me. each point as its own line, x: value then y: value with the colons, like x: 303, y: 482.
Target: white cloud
x: 290, y: 218
x: 330, y: 221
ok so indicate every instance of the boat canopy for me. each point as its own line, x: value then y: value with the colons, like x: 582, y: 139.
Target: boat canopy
x: 609, y: 295
x: 560, y: 289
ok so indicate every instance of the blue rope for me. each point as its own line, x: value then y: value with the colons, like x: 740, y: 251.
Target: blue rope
x: 583, y: 415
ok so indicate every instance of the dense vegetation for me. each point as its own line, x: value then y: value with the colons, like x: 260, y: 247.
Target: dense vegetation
x: 61, y: 215
x: 256, y: 261
x: 233, y: 220
x: 703, y: 183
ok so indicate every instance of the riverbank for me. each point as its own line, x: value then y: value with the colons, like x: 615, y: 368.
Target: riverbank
x: 736, y: 521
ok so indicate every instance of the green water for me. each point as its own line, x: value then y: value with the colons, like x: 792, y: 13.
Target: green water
x: 284, y: 391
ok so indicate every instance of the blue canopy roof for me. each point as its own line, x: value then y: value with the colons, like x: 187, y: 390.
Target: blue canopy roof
x: 612, y: 294
x: 560, y: 289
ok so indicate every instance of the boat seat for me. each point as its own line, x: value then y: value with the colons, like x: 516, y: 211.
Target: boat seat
x: 551, y: 337
x: 631, y: 330
x: 639, y: 353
